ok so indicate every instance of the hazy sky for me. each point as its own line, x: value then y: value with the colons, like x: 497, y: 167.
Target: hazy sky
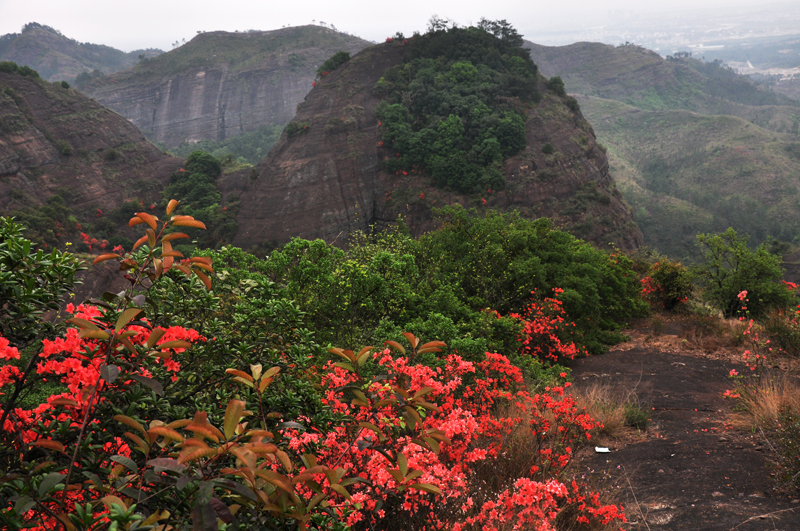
x: 158, y: 23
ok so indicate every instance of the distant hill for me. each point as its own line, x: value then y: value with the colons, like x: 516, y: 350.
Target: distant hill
x: 69, y: 165
x: 642, y: 78
x: 693, y: 146
x: 57, y: 57
x: 220, y: 85
x: 407, y: 126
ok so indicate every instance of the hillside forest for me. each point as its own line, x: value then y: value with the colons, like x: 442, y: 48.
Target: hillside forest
x: 387, y: 380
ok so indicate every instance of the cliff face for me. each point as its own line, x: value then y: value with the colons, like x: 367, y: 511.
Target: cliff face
x: 54, y: 139
x: 325, y: 180
x: 222, y: 84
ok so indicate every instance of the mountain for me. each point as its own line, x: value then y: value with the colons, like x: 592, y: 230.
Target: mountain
x: 221, y: 84
x: 642, y: 78
x: 67, y: 162
x: 58, y: 58
x: 350, y: 159
x: 694, y: 146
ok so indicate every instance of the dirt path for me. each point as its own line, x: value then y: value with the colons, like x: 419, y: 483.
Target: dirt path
x: 690, y: 470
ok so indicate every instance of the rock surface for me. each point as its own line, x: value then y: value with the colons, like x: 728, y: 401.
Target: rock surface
x: 222, y: 84
x: 54, y: 139
x: 692, y: 468
x: 326, y: 181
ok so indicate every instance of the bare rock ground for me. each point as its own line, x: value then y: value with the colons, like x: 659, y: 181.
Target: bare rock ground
x: 692, y: 469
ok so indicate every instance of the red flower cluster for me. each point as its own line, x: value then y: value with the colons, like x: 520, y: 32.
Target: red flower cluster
x: 544, y: 326
x: 469, y: 396
x: 77, y: 363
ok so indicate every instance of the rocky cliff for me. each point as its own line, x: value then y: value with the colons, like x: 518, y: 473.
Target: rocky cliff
x: 222, y: 84
x: 57, y: 57
x: 324, y: 178
x: 54, y: 140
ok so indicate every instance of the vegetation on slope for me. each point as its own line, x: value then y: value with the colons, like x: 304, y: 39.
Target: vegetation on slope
x: 685, y: 173
x: 694, y: 147
x: 456, y: 108
x: 238, y: 51
x: 264, y: 324
x: 247, y: 148
x: 57, y: 57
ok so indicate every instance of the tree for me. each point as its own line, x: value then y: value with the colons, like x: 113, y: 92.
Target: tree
x: 502, y: 30
x: 729, y: 267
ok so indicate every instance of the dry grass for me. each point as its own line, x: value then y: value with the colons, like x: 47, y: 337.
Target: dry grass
x: 711, y: 333
x: 615, y: 408
x: 761, y: 404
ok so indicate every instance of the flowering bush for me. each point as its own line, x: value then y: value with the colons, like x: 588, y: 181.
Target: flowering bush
x: 669, y: 284
x: 123, y: 442
x: 544, y: 326
x: 107, y: 360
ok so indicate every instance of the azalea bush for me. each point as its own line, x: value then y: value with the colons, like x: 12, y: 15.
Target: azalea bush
x: 173, y: 406
x: 57, y: 456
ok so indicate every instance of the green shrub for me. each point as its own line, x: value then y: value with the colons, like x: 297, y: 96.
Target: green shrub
x: 294, y: 129
x: 636, y: 417
x: 556, y: 84
x: 454, y: 109
x: 728, y: 267
x: 9, y: 67
x: 572, y: 104
x: 548, y: 149
x: 28, y: 72
x: 784, y: 332
x: 338, y: 59
x: 669, y: 284
x: 32, y: 282
x: 64, y: 147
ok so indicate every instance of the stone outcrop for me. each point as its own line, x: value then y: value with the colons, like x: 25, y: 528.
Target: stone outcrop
x: 55, y: 140
x: 325, y: 179
x: 222, y: 84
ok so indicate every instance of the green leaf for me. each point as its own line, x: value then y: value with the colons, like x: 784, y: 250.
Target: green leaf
x: 167, y: 463
x: 233, y: 413
x: 127, y: 462
x: 402, y: 462
x: 126, y: 317
x: 340, y: 490
x: 204, y: 517
x: 23, y: 505
x: 109, y: 373
x: 427, y: 487
x: 345, y: 366
x: 155, y: 335
x: 50, y: 480
x: 149, y: 382
x: 178, y: 343
x: 83, y: 324
x: 93, y: 334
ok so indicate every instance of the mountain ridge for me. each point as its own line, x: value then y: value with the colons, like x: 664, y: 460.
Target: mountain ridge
x: 57, y: 57
x: 221, y: 84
